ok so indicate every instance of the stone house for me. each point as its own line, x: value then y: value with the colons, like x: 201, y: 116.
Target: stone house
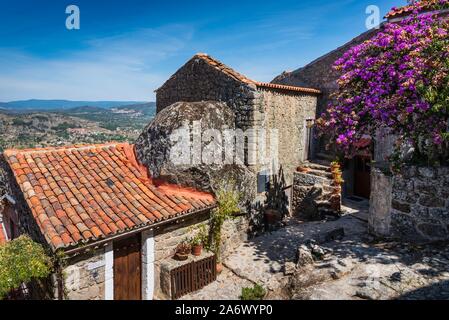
x: 412, y: 205
x: 257, y: 106
x: 320, y: 74
x: 96, y: 207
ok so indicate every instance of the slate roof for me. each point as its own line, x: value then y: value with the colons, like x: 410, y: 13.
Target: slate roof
x: 82, y: 194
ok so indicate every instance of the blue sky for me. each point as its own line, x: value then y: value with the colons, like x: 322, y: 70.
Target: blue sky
x: 124, y: 50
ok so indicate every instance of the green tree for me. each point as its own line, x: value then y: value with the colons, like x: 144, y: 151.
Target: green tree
x: 227, y: 205
x: 22, y: 260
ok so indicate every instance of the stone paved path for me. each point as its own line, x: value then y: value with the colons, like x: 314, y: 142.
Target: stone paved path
x: 355, y: 267
x: 380, y: 271
x: 261, y: 260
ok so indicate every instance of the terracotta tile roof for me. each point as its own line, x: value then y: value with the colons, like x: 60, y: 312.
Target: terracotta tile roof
x: 239, y: 77
x: 405, y: 10
x: 288, y: 88
x: 86, y: 193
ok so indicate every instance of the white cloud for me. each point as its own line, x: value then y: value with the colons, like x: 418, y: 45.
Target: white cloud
x: 123, y: 67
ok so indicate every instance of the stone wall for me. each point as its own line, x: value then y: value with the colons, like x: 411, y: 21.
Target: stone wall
x: 417, y: 209
x: 254, y: 108
x: 380, y: 203
x: 319, y: 74
x: 313, y: 197
x: 288, y: 113
x: 384, y: 145
x: 84, y: 276
x: 234, y: 232
x: 198, y: 81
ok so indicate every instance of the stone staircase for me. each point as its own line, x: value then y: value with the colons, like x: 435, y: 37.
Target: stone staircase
x: 314, y: 196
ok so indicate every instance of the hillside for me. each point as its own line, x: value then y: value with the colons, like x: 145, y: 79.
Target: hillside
x: 83, y: 124
x: 50, y: 105
x: 128, y: 117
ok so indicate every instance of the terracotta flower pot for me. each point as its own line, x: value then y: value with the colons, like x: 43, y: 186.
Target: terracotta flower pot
x: 219, y: 268
x: 196, y: 250
x: 271, y: 216
x: 303, y: 169
x: 181, y: 256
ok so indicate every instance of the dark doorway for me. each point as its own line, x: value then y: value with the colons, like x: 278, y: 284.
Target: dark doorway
x: 362, y: 176
x: 127, y: 269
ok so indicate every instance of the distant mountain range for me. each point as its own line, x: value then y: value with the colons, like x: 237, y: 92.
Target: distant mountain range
x: 147, y: 109
x: 53, y: 105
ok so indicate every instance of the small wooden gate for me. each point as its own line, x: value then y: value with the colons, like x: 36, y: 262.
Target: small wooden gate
x: 193, y: 276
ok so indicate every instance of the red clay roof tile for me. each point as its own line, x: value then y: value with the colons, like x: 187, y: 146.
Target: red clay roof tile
x: 91, y: 192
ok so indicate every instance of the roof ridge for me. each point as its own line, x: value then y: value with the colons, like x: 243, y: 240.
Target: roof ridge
x: 240, y: 77
x: 9, y: 152
x: 225, y: 68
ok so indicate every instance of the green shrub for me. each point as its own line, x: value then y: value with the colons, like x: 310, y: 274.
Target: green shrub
x: 227, y: 205
x: 255, y: 293
x: 21, y: 260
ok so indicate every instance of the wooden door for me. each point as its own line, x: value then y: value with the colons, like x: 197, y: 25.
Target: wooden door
x: 127, y: 269
x: 362, y: 176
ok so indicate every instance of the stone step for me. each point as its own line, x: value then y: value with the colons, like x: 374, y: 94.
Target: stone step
x: 328, y: 188
x: 323, y: 204
x: 320, y: 173
x: 317, y: 166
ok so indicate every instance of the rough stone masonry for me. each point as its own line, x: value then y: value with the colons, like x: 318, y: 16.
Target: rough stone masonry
x: 412, y: 206
x: 203, y: 78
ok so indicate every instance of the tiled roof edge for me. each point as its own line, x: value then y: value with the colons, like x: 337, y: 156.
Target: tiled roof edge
x: 139, y: 228
x: 217, y: 64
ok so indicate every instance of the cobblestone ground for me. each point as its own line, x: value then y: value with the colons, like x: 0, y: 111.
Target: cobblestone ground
x: 379, y: 271
x: 355, y: 267
x: 261, y: 260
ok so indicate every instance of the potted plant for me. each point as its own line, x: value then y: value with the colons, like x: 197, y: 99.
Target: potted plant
x: 335, y: 165
x: 336, y: 189
x: 182, y: 251
x: 271, y: 216
x: 338, y: 179
x: 197, y: 245
x: 219, y: 267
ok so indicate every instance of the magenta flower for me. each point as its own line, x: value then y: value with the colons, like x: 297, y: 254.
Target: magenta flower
x: 397, y: 79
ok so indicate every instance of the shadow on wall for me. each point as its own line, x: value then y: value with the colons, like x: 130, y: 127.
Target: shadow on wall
x: 262, y: 216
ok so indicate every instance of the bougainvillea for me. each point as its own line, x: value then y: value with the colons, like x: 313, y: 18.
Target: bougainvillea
x: 399, y: 79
